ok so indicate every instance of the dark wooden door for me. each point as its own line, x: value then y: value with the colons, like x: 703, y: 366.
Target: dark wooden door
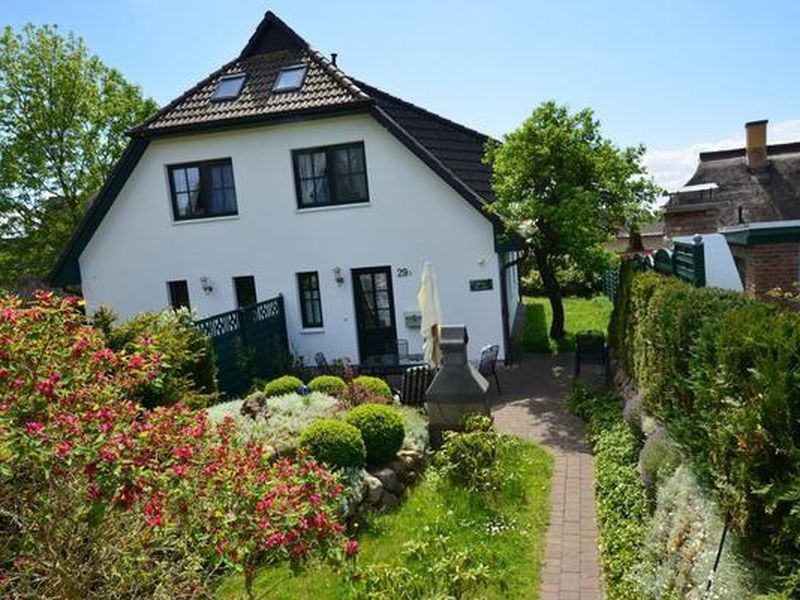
x: 374, y: 302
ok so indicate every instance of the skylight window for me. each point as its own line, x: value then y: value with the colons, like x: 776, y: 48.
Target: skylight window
x: 229, y: 87
x: 289, y: 79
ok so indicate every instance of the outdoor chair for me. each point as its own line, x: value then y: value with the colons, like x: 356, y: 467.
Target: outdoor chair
x: 591, y: 348
x: 415, y: 383
x: 487, y: 366
x: 322, y: 363
x: 398, y: 348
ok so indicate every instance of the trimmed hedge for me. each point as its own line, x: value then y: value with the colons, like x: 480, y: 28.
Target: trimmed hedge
x: 328, y: 384
x: 375, y: 385
x: 287, y: 384
x: 334, y: 442
x: 381, y: 428
x: 722, y: 373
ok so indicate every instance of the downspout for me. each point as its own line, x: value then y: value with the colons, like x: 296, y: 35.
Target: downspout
x: 504, y: 303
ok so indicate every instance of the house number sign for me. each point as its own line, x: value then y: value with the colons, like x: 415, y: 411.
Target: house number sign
x: 403, y: 272
x: 480, y: 285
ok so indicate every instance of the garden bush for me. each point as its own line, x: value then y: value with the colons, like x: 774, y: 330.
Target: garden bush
x: 102, y: 498
x: 621, y: 501
x: 375, y: 385
x: 188, y: 371
x: 287, y: 384
x: 720, y: 372
x: 658, y: 459
x: 682, y: 544
x: 415, y: 424
x: 328, y: 384
x: 381, y: 428
x: 334, y: 442
x: 468, y: 459
x: 283, y: 418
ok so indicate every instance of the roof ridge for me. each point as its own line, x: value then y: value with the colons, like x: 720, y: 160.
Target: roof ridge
x: 339, y: 75
x: 438, y: 117
x: 782, y: 148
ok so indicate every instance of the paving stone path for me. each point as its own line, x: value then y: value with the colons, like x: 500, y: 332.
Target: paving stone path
x: 533, y: 406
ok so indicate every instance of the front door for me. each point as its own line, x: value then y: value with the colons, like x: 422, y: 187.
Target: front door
x: 374, y: 301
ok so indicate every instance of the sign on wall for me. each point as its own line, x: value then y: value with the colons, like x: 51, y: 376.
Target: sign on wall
x: 480, y: 285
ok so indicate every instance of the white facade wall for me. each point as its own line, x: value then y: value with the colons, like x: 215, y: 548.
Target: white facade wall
x: 413, y: 216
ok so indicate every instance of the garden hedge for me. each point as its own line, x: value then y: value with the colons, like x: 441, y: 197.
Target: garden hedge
x: 722, y: 372
x: 287, y: 384
x: 382, y: 429
x: 334, y: 442
x: 328, y: 384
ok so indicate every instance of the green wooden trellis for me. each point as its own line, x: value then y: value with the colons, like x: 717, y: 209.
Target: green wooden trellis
x: 686, y: 261
x: 248, y: 343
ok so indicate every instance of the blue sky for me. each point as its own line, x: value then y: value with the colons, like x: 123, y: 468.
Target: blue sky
x: 677, y: 76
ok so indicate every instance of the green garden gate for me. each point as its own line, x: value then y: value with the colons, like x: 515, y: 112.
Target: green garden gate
x: 248, y: 343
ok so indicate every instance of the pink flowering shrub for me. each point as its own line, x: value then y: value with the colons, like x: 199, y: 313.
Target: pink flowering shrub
x: 100, y: 497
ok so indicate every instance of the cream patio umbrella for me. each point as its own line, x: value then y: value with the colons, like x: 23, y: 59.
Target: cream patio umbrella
x: 431, y: 312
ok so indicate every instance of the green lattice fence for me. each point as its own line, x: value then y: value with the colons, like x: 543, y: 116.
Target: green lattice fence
x: 687, y: 261
x: 248, y: 343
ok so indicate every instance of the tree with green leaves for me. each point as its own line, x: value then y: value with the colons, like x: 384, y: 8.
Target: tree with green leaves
x: 63, y: 118
x: 567, y: 190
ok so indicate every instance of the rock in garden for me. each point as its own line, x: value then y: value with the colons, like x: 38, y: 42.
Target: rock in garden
x: 253, y: 405
x: 374, y: 489
x: 400, y: 467
x: 389, y: 501
x: 388, y: 478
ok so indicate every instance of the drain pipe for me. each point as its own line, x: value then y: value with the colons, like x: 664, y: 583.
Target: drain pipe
x: 504, y: 303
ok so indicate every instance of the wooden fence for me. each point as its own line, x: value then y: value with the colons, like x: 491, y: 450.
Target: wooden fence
x: 686, y: 261
x: 248, y: 343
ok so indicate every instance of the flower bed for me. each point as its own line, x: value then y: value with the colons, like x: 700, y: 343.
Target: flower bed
x: 101, y: 497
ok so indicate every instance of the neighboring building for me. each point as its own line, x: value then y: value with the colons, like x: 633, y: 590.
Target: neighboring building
x: 652, y: 238
x: 753, y: 184
x: 279, y: 174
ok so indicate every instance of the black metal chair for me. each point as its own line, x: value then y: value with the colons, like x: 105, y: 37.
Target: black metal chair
x: 415, y: 383
x: 398, y: 348
x: 487, y: 366
x: 591, y: 348
x: 322, y: 363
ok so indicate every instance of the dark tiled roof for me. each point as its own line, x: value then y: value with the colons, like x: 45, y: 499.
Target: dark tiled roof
x: 459, y: 148
x: 772, y: 193
x: 323, y: 87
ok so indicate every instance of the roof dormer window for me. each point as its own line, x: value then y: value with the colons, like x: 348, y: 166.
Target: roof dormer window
x: 229, y: 87
x: 290, y: 79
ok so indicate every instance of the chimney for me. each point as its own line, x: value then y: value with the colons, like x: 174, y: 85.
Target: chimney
x: 334, y: 56
x: 756, y: 144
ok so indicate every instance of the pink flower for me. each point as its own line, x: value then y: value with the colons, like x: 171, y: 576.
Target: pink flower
x: 180, y: 470
x: 135, y: 362
x: 351, y: 548
x: 4, y: 373
x: 34, y: 427
x: 63, y: 448
x: 315, y: 500
x: 107, y: 455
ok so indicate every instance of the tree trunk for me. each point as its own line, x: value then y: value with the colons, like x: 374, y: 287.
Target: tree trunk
x: 552, y: 290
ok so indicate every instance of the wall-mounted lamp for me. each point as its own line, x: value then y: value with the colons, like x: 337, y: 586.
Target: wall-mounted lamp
x: 337, y: 275
x: 206, y: 285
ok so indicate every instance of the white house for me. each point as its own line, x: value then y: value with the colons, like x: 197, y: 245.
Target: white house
x: 279, y: 174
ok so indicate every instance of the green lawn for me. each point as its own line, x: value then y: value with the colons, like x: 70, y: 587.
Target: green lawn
x: 580, y: 314
x: 504, y: 535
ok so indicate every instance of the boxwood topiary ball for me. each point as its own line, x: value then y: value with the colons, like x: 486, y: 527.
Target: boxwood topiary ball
x: 334, y: 442
x: 381, y: 428
x: 376, y: 385
x: 281, y: 386
x: 328, y: 384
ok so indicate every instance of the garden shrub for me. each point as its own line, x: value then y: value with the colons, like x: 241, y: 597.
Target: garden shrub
x: 283, y: 419
x: 334, y: 442
x: 328, y: 384
x: 658, y: 459
x: 188, y: 372
x: 375, y: 385
x: 101, y: 498
x: 415, y: 424
x: 682, y: 545
x: 720, y: 372
x: 287, y: 384
x: 469, y: 459
x: 621, y: 501
x: 381, y: 428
